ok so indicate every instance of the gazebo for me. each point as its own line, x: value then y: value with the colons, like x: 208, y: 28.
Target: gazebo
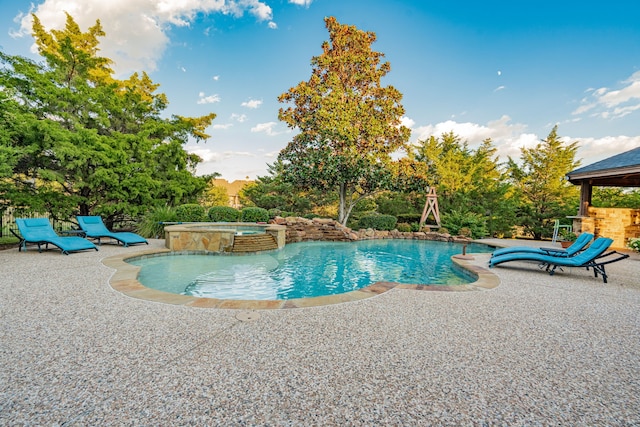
x: 620, y: 224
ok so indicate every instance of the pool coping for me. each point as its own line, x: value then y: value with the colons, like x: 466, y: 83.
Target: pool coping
x: 125, y: 281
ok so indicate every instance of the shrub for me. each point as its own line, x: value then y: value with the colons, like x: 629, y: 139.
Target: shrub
x: 634, y: 243
x: 409, y: 218
x: 151, y: 224
x: 253, y: 214
x: 465, y: 232
x: 457, y: 220
x: 404, y: 227
x: 279, y: 212
x: 354, y: 218
x: 223, y: 214
x: 378, y: 222
x: 190, y: 212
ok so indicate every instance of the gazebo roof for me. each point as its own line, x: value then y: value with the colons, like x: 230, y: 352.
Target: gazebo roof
x: 621, y: 170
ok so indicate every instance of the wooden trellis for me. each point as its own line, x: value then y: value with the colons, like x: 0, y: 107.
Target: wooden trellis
x: 431, y: 207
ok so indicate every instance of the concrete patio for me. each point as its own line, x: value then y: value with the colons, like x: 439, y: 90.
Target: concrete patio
x: 537, y: 350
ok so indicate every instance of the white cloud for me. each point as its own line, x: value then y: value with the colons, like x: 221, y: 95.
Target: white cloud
x: 509, y: 138
x: 215, y: 78
x: 209, y: 155
x: 210, y: 99
x: 239, y: 117
x: 273, y: 25
x: 499, y: 88
x: 222, y: 126
x: 592, y: 150
x: 267, y: 128
x: 305, y: 3
x: 607, y: 103
x: 136, y: 30
x: 252, y: 103
x: 407, y: 122
x: 231, y: 165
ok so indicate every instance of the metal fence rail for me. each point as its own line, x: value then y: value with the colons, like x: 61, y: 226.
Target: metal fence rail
x: 8, y: 221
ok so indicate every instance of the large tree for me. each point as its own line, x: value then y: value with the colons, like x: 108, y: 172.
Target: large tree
x: 540, y: 179
x: 85, y: 142
x: 349, y: 124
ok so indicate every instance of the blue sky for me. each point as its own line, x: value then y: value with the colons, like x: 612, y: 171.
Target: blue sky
x: 504, y: 70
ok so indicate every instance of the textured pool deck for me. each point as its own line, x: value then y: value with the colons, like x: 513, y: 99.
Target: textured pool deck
x: 535, y: 350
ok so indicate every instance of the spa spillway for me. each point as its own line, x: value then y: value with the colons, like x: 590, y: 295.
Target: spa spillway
x: 224, y: 237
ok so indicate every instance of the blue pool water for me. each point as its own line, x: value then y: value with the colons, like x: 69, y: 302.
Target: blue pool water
x: 307, y: 269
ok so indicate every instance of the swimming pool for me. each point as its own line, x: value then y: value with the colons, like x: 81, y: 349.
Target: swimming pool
x: 305, y: 270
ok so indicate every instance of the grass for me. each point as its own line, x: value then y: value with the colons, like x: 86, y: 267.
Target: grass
x: 8, y: 240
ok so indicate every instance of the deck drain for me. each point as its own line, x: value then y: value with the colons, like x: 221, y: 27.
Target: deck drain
x: 247, y: 316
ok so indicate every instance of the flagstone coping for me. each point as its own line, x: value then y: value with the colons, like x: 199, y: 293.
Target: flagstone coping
x: 125, y: 281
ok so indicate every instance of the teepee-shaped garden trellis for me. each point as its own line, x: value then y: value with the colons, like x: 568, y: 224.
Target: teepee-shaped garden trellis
x: 431, y: 207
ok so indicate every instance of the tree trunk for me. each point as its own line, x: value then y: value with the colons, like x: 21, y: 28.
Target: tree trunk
x: 342, y: 211
x: 346, y: 204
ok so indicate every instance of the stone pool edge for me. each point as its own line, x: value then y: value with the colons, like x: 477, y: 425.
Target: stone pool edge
x: 124, y: 280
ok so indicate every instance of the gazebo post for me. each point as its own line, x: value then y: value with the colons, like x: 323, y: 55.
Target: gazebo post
x: 586, y: 193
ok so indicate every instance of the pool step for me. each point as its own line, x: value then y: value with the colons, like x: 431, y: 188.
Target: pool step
x: 254, y: 243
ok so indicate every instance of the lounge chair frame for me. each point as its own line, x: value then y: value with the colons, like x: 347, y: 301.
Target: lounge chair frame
x: 95, y: 229
x: 65, y: 244
x: 595, y: 256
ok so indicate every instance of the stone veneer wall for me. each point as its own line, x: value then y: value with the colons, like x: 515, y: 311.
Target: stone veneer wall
x: 619, y: 224
x: 302, y: 229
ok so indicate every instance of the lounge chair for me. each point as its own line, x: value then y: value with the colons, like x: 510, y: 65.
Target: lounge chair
x: 592, y: 257
x: 40, y: 232
x: 581, y: 242
x: 95, y: 229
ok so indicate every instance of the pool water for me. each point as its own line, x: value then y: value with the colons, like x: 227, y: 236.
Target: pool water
x: 306, y: 269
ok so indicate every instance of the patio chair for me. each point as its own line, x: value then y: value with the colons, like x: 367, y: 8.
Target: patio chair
x: 40, y: 232
x: 581, y: 242
x: 592, y: 257
x: 95, y: 229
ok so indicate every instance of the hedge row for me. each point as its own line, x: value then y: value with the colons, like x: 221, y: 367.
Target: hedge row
x: 378, y: 222
x: 195, y: 213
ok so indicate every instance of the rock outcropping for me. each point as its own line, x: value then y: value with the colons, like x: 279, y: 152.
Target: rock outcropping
x: 303, y: 229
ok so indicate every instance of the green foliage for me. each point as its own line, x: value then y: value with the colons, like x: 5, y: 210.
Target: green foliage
x: 224, y: 214
x: 634, y: 244
x: 75, y: 140
x: 398, y: 203
x: 255, y: 214
x: 8, y: 240
x: 151, y: 226
x: 349, y: 124
x: 272, y: 192
x: 214, y: 195
x: 567, y: 236
x: 409, y: 218
x: 615, y: 197
x: 190, y: 212
x: 404, y: 227
x: 469, y: 223
x: 540, y: 181
x: 378, y: 222
x: 468, y: 178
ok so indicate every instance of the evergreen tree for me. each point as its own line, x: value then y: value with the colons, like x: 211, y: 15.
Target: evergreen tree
x: 540, y: 180
x: 469, y: 183
x: 87, y: 143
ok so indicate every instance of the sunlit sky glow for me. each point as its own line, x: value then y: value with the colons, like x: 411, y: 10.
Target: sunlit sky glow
x: 503, y: 70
